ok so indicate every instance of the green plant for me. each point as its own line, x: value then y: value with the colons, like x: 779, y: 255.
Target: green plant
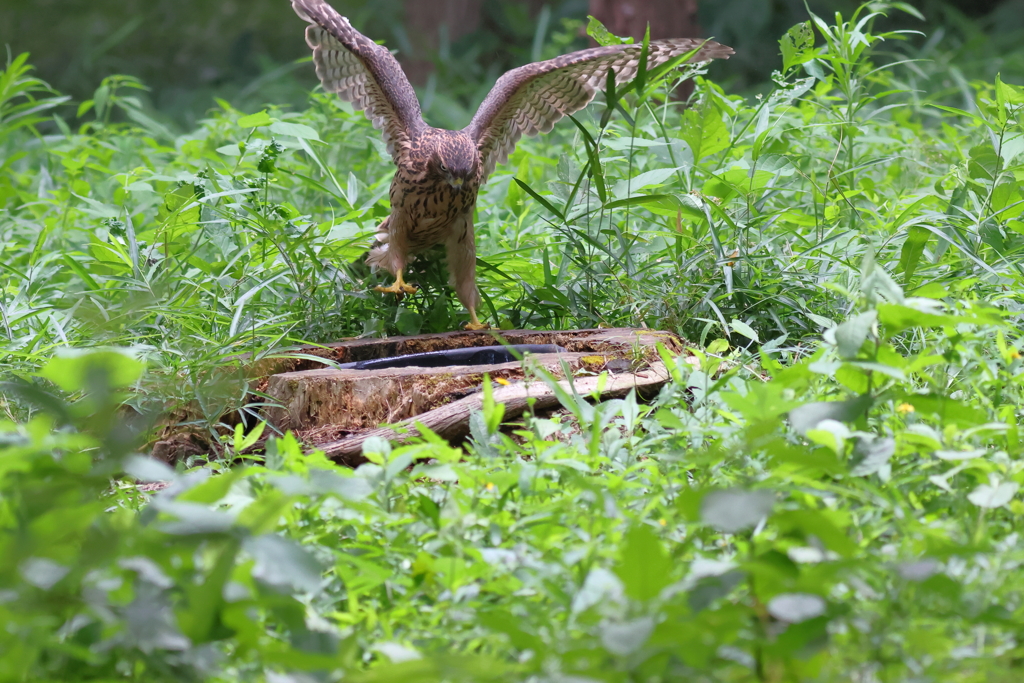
x: 826, y: 490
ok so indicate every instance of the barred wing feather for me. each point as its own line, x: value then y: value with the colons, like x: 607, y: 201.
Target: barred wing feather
x: 532, y: 98
x: 363, y: 73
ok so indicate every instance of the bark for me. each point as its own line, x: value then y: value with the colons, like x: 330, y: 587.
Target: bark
x: 337, y: 409
x: 452, y: 421
x: 426, y: 21
x: 322, y: 403
x: 668, y: 18
x: 312, y: 401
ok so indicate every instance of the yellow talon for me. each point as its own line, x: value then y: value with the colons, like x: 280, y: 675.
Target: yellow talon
x: 398, y: 289
x: 474, y: 324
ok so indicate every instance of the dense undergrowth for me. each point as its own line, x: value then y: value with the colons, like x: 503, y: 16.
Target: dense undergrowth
x: 828, y: 492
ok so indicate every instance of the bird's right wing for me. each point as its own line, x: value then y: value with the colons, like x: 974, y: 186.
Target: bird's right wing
x: 363, y: 73
x: 530, y: 99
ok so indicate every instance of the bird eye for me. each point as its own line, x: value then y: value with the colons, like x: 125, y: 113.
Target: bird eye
x: 444, y: 169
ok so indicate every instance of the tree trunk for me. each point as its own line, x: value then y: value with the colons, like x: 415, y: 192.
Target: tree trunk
x: 668, y: 18
x: 426, y: 20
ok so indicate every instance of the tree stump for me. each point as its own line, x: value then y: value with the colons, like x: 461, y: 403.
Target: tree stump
x: 338, y: 409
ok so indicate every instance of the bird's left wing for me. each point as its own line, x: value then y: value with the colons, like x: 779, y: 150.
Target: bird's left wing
x: 530, y: 99
x: 363, y: 73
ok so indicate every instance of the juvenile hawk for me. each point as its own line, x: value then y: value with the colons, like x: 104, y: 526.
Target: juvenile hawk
x: 439, y: 171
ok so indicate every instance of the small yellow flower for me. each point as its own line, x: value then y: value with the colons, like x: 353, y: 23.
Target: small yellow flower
x: 904, y: 408
x: 1014, y: 354
x: 502, y: 381
x: 490, y: 486
x: 662, y: 521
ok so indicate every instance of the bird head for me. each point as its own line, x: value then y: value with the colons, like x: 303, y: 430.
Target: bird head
x: 455, y: 159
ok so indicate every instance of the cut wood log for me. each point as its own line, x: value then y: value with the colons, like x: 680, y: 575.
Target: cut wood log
x: 305, y: 391
x: 361, y: 399
x: 305, y: 400
x: 617, y: 340
x: 452, y: 421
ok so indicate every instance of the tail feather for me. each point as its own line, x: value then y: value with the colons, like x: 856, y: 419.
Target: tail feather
x: 378, y: 256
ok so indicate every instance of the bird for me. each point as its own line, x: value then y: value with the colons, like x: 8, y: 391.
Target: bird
x: 439, y: 172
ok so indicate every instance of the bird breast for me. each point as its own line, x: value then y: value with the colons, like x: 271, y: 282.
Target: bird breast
x: 431, y: 207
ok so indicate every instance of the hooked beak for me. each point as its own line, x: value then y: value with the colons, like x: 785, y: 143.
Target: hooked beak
x: 456, y: 183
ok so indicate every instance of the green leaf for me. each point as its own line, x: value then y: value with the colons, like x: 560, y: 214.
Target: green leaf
x: 948, y: 411
x: 263, y: 515
x: 78, y: 369
x: 818, y: 524
x: 283, y: 564
x: 408, y: 322
x: 295, y: 130
x: 256, y: 120
x: 1008, y: 93
x: 993, y: 495
x: 704, y: 130
x: 807, y: 416
x: 797, y: 46
x: 898, y: 317
x: 99, y: 209
x: 361, y: 574
x: 654, y: 177
x: 493, y: 411
x: 180, y: 210
x: 502, y: 621
x: 595, y: 165
x: 913, y: 249
x: 643, y: 565
x: 1007, y: 200
x: 763, y: 402
x: 214, y: 488
x: 876, y: 283
x: 244, y: 441
x: 611, y: 98
x: 601, y: 35
x: 81, y: 272
x: 544, y: 202
x: 438, y: 667
x: 795, y: 608
x: 638, y: 200
x: 733, y: 510
x: 623, y: 638
x: 744, y: 329
x: 199, y: 614
x: 984, y: 162
x: 641, y: 69
x: 851, y: 335
x: 872, y: 453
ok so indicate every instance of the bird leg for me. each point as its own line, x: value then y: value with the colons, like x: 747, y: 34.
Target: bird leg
x: 474, y: 323
x: 399, y: 288
x: 461, y: 248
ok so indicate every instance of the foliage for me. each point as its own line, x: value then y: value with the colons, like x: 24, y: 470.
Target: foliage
x: 826, y: 491
x: 252, y: 51
x: 970, y: 39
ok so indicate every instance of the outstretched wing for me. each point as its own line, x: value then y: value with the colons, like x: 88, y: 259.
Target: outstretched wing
x: 530, y: 99
x: 363, y: 73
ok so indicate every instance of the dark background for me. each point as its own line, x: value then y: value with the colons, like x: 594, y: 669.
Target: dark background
x: 244, y: 51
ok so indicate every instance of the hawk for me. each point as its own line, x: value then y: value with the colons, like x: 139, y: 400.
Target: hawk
x: 434, y: 190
